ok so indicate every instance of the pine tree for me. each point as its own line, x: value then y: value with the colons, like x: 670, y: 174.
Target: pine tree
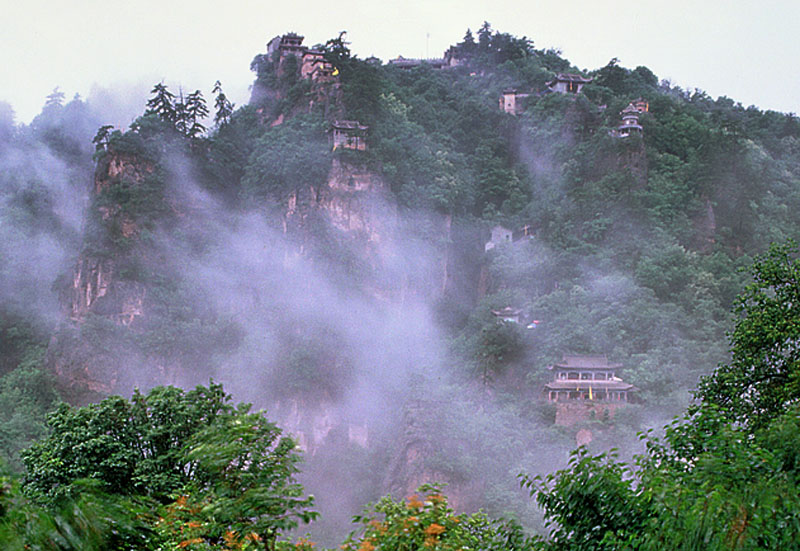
x: 162, y: 103
x: 196, y: 110
x: 223, y: 106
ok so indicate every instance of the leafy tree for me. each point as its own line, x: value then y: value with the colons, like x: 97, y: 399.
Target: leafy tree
x: 55, y: 99
x: 243, y: 491
x: 425, y: 521
x: 292, y: 157
x: 132, y: 447
x: 763, y: 376
x: 592, y: 504
x: 232, y: 469
x: 93, y: 521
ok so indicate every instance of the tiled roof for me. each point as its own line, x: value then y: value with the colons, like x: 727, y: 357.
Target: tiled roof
x: 349, y: 125
x: 586, y: 362
x: 571, y: 77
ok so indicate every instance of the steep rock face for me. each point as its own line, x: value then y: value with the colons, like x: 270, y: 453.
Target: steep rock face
x: 95, y: 290
x: 97, y: 286
x: 356, y: 200
x: 418, y: 459
x: 313, y: 424
x: 90, y: 352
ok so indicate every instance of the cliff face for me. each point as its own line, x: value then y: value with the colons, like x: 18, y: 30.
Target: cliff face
x: 404, y: 258
x: 97, y: 286
x: 103, y: 301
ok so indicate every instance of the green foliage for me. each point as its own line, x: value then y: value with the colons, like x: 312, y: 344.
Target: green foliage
x: 232, y: 470
x: 590, y: 505
x: 426, y: 521
x: 291, y: 158
x: 27, y: 395
x: 243, y: 492
x: 93, y: 521
x: 131, y: 447
x: 722, y: 477
x: 763, y: 376
x: 184, y: 115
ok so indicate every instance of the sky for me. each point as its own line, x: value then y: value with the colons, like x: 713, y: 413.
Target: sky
x: 746, y: 50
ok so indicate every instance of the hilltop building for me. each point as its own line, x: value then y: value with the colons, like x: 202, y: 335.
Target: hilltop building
x: 349, y: 135
x: 407, y: 63
x: 290, y: 43
x: 568, y: 83
x: 313, y: 65
x: 630, y: 122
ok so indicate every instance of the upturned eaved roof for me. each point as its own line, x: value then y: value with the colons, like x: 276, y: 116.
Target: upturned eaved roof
x: 585, y: 362
x: 571, y: 77
x: 349, y: 125
x: 507, y: 311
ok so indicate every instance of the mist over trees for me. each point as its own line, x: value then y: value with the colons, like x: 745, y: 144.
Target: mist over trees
x: 350, y: 292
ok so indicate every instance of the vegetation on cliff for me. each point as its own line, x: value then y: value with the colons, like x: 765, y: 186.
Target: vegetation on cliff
x: 215, y: 249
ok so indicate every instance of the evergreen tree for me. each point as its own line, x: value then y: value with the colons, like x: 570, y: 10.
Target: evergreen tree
x: 222, y: 104
x: 196, y: 110
x: 162, y: 103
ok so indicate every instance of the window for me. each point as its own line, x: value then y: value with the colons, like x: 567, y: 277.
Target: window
x: 586, y: 376
x: 599, y: 376
x: 573, y: 376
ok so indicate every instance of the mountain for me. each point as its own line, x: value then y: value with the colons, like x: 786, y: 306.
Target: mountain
x: 338, y: 251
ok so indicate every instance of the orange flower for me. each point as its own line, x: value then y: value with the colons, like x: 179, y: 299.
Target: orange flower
x: 187, y: 543
x: 434, y: 529
x: 366, y: 545
x: 414, y: 502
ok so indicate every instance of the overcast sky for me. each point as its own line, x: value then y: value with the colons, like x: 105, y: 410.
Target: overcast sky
x: 746, y: 50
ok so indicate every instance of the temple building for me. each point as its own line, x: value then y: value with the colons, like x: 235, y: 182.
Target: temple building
x: 290, y: 43
x: 641, y: 105
x: 499, y: 235
x: 508, y: 314
x: 408, y: 63
x: 630, y: 122
x: 509, y: 101
x: 349, y: 135
x: 587, y: 378
x: 568, y: 83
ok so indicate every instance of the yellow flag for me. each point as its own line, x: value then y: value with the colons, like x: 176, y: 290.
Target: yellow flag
x: 335, y: 72
x: 590, y: 393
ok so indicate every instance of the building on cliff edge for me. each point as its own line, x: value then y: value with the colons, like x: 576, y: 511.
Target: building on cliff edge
x: 349, y: 135
x: 586, y: 385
